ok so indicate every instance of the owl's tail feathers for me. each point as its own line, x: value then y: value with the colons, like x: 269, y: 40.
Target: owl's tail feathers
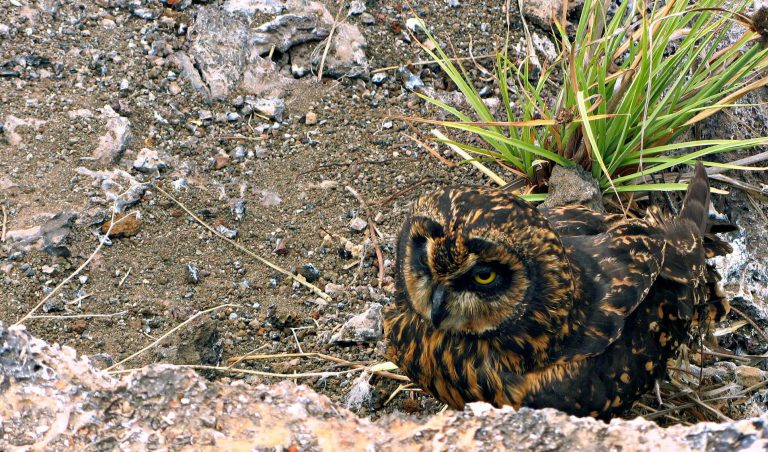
x: 696, y: 203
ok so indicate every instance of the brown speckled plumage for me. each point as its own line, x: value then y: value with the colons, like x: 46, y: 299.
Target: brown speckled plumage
x: 582, y: 310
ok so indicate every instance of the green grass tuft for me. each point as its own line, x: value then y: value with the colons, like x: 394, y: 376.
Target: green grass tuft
x: 633, y: 83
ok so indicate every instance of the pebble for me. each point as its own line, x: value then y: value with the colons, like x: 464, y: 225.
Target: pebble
x: 309, y: 272
x: 48, y: 269
x: 367, y: 19
x: 310, y: 119
x: 127, y: 224
x: 148, y: 161
x: 366, y: 327
x: 280, y: 248
x: 379, y: 78
x: 357, y: 224
x: 53, y: 305
x: 193, y: 274
x: 356, y: 8
x: 226, y: 232
x: 221, y: 160
x: 238, y: 209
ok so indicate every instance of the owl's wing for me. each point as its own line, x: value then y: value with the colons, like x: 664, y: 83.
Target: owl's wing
x: 571, y: 221
x: 615, y: 270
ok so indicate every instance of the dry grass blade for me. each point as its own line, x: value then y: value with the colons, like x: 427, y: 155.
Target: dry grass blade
x: 171, y: 331
x: 371, y: 230
x: 751, y: 322
x: 79, y: 316
x: 233, y: 370
x: 298, y: 278
x: 5, y: 223
x: 334, y: 359
x: 484, y: 169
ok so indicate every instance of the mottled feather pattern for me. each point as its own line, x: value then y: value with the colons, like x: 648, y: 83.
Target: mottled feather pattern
x: 565, y: 308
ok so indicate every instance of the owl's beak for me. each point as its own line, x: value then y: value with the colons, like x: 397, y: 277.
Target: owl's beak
x: 438, y: 305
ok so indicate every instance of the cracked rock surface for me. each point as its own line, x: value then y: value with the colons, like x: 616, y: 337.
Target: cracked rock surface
x: 54, y: 400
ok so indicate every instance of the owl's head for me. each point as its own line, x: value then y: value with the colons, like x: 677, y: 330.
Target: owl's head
x: 475, y: 260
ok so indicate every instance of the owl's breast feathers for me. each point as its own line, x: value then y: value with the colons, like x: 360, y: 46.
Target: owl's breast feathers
x: 638, y: 287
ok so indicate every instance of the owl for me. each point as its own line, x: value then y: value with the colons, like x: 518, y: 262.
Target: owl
x: 566, y: 308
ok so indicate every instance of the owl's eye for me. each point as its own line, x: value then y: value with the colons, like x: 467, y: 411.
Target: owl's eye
x: 484, y: 277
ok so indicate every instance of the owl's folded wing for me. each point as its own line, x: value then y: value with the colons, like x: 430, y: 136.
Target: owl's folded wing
x: 615, y: 271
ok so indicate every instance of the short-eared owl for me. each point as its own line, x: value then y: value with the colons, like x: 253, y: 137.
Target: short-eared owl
x: 565, y: 308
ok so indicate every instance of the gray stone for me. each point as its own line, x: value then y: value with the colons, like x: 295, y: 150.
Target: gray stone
x: 543, y: 12
x: 272, y: 108
x: 114, y: 142
x: 366, y: 327
x: 148, y: 161
x: 287, y: 31
x: 357, y: 224
x: 61, y: 384
x: 346, y: 57
x: 573, y: 186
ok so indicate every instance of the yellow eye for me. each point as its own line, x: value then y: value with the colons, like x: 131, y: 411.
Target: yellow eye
x: 485, y: 278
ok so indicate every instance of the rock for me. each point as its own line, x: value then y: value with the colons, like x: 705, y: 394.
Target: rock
x: 221, y: 160
x: 238, y: 209
x: 226, y: 232
x: 148, y: 162
x: 55, y: 304
x: 272, y: 108
x: 44, y: 384
x: 196, y: 345
x: 193, y: 274
x: 12, y: 123
x: 411, y: 81
x: 187, y: 67
x: 310, y: 118
x: 356, y: 8
x: 287, y: 31
x: 113, y: 184
x: 309, y: 272
x: 251, y: 7
x: 379, y: 78
x: 346, y: 57
x: 573, y: 186
x: 270, y: 198
x: 51, y: 236
x: 280, y: 247
x: 357, y: 224
x: 366, y: 327
x: 544, y: 12
x: 126, y: 224
x: 113, y: 143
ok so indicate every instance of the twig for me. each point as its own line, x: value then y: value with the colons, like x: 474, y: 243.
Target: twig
x: 5, y: 223
x: 248, y: 371
x: 751, y: 322
x: 298, y: 278
x: 372, y: 230
x: 124, y: 277
x: 171, y: 331
x: 66, y: 280
x: 381, y: 373
x: 78, y: 316
x: 717, y: 414
x: 389, y: 199
x: 328, y: 41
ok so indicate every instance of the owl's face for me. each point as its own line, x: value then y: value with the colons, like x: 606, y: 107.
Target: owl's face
x: 475, y: 259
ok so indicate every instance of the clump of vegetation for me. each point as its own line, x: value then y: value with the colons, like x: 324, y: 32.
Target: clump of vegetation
x: 633, y: 82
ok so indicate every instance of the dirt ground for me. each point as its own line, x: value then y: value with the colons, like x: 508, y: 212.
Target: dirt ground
x: 293, y: 184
